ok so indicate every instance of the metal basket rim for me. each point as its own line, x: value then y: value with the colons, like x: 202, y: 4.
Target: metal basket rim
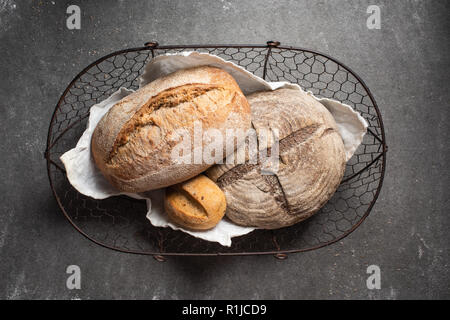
x: 281, y: 254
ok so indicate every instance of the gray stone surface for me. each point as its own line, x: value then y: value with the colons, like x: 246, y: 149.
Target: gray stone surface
x: 405, y: 64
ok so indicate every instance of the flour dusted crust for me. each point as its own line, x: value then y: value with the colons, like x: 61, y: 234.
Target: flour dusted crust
x: 311, y: 163
x: 132, y: 143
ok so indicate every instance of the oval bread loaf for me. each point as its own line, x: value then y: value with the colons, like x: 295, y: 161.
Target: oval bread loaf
x: 132, y: 144
x: 196, y: 204
x: 311, y: 163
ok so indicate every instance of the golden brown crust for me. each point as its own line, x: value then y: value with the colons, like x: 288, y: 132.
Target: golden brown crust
x: 197, y: 204
x: 168, y: 98
x: 132, y: 143
x: 311, y: 163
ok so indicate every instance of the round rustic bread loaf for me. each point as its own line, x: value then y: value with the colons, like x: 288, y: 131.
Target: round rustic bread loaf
x: 132, y: 144
x: 311, y: 163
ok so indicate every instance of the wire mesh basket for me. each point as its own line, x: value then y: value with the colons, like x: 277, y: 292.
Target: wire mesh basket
x: 119, y: 222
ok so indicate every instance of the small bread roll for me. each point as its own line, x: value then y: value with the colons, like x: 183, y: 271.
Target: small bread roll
x: 196, y: 204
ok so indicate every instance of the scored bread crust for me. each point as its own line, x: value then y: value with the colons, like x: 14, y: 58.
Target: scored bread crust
x: 311, y: 163
x: 196, y: 204
x: 132, y: 143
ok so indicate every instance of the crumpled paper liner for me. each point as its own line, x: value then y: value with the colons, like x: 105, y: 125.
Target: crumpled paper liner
x: 88, y: 180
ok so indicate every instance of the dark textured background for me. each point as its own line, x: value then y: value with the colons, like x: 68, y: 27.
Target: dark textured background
x: 405, y: 64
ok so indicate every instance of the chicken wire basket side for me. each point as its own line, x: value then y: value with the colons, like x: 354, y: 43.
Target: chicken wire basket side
x: 119, y: 223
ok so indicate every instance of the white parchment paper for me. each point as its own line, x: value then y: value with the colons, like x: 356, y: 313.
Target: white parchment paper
x: 88, y: 180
